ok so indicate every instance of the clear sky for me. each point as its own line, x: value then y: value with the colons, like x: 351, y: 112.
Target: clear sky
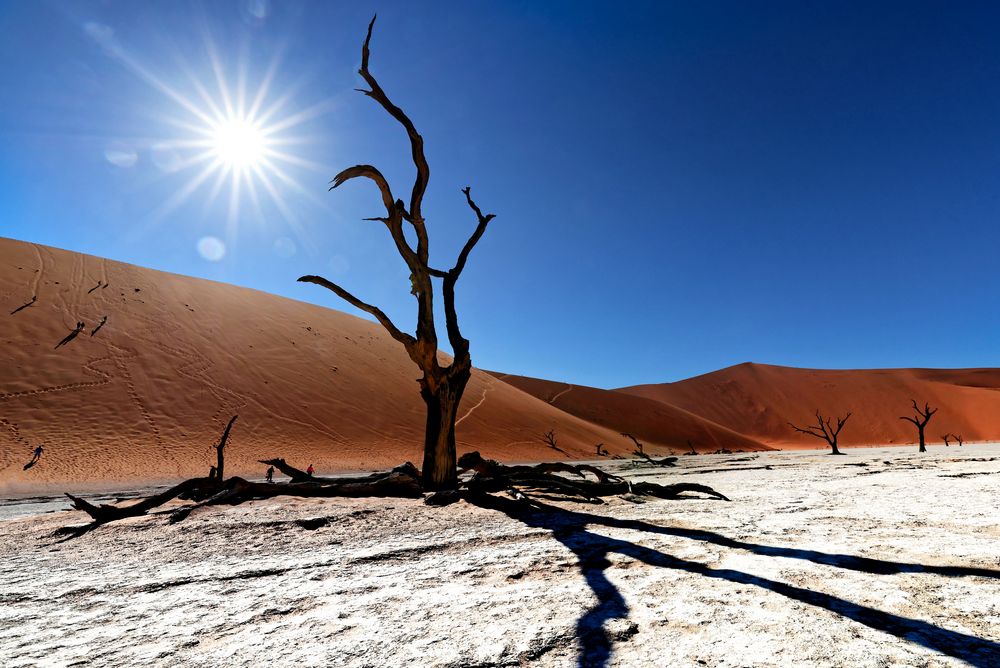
x: 678, y: 186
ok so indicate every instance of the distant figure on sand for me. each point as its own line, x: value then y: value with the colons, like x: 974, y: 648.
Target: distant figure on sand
x: 72, y: 335
x: 270, y: 474
x: 99, y: 325
x: 310, y: 471
x: 36, y: 455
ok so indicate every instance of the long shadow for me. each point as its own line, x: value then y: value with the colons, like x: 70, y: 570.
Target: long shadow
x: 25, y: 305
x: 592, y: 550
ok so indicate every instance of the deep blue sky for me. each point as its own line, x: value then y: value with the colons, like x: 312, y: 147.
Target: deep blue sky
x: 679, y: 186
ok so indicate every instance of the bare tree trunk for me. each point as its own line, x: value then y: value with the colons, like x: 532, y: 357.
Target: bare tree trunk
x: 440, y: 453
x: 923, y: 443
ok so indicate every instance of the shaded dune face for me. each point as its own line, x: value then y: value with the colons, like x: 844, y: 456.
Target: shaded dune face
x: 655, y: 423
x: 148, y: 393
x: 758, y: 400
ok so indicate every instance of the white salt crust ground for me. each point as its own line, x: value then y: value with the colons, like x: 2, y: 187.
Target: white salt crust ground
x: 883, y: 557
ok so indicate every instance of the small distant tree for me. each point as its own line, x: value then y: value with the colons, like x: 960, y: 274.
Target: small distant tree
x: 825, y: 430
x: 601, y: 452
x: 550, y: 439
x: 946, y: 438
x: 441, y: 387
x: 920, y: 420
x: 958, y: 437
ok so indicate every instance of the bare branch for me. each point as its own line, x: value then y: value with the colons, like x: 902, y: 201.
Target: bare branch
x: 369, y: 172
x: 808, y: 430
x: 476, y: 235
x: 414, y: 215
x: 842, y: 422
x: 383, y: 319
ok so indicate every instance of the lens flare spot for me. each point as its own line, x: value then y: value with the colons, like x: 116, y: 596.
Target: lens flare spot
x: 211, y: 248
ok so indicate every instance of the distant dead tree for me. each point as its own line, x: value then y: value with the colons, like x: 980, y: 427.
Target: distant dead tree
x: 946, y: 438
x: 601, y: 452
x: 441, y: 387
x: 920, y: 420
x: 550, y: 439
x: 825, y: 430
x: 692, y: 451
x: 958, y: 437
x: 638, y: 445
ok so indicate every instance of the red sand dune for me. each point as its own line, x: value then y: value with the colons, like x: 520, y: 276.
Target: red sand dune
x: 653, y: 422
x: 759, y: 400
x: 148, y: 395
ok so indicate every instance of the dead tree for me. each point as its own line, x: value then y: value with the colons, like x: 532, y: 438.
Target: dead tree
x: 601, y: 452
x: 550, y: 439
x: 946, y: 438
x: 958, y: 437
x: 441, y: 387
x: 638, y: 445
x: 920, y: 420
x: 825, y: 430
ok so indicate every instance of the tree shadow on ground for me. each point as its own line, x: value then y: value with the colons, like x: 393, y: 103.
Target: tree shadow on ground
x: 592, y: 550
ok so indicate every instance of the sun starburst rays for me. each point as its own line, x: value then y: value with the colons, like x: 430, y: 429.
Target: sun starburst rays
x: 244, y: 136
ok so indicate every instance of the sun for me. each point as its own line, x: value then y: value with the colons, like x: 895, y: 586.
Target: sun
x: 238, y: 144
x: 238, y: 135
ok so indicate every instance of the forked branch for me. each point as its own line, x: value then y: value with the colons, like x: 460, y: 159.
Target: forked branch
x: 922, y: 417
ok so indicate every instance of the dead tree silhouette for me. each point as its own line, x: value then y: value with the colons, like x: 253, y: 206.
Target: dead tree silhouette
x: 638, y: 445
x: 99, y: 325
x: 550, y: 439
x: 33, y: 299
x: 601, y: 452
x: 441, y: 387
x: 946, y: 438
x: 825, y: 430
x: 958, y: 437
x: 639, y: 452
x: 72, y: 335
x: 920, y: 420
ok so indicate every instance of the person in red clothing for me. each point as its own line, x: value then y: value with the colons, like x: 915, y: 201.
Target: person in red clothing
x: 310, y: 470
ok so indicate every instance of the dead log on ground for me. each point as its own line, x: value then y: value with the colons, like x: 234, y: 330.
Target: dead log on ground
x: 492, y: 476
x: 666, y: 461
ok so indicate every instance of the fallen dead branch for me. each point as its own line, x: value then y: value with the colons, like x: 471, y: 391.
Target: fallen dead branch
x: 579, y: 482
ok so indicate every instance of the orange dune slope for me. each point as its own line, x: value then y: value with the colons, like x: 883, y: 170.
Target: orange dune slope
x: 758, y: 400
x: 651, y: 421
x: 147, y: 395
